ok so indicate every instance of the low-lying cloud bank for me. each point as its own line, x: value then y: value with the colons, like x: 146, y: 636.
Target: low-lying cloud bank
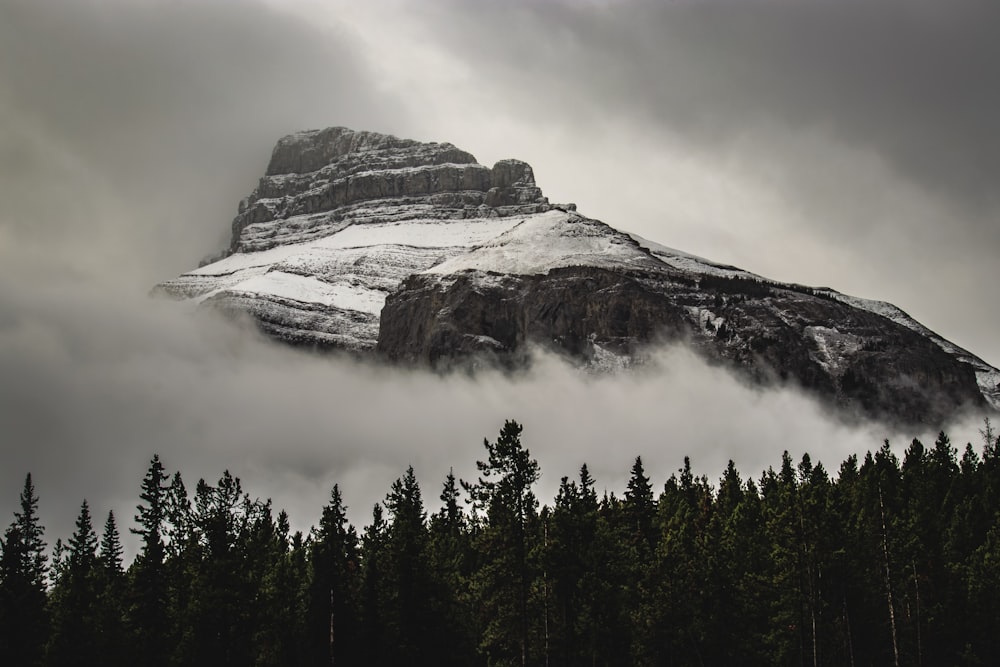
x: 106, y: 377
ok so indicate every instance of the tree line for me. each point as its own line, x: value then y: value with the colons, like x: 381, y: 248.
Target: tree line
x: 890, y: 562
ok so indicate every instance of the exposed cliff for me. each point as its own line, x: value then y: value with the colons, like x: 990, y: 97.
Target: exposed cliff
x: 416, y: 253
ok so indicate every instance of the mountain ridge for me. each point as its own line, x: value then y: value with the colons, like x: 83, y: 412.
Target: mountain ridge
x: 416, y: 253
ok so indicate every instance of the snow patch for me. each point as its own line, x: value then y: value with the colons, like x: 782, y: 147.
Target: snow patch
x: 310, y: 290
x: 689, y: 263
x: 550, y: 240
x: 708, y: 321
x: 987, y: 377
x: 833, y: 348
x: 606, y: 361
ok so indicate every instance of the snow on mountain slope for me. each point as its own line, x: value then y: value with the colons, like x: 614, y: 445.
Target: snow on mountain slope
x: 548, y: 241
x: 344, y: 223
x: 683, y: 261
x: 352, y: 269
x: 341, y: 217
x: 987, y: 377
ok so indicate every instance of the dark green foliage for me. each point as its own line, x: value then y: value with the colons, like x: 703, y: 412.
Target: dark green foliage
x: 332, y: 616
x: 452, y: 556
x: 412, y: 607
x: 503, y: 584
x: 234, y: 542
x: 148, y: 593
x: 892, y: 562
x: 24, y: 622
x: 75, y: 630
x: 107, y: 608
x: 736, y: 285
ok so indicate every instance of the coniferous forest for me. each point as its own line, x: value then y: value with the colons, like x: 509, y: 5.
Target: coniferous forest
x: 882, y: 562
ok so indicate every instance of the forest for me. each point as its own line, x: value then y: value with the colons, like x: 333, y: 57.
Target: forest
x: 888, y: 562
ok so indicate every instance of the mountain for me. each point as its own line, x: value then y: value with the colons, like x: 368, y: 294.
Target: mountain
x: 417, y: 254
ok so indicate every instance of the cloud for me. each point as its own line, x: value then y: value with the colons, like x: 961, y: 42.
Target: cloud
x: 905, y: 79
x: 164, y: 111
x: 129, y: 130
x: 107, y: 377
x: 847, y: 144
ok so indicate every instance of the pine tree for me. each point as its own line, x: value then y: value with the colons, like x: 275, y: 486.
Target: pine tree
x: 74, y: 639
x: 451, y: 558
x: 111, y: 552
x: 674, y: 601
x: 570, y: 581
x: 183, y: 550
x: 279, y: 573
x: 744, y: 551
x: 224, y: 579
x: 148, y: 619
x: 24, y: 622
x: 611, y: 595
x: 374, y: 594
x: 108, y: 608
x: 505, y: 580
x: 412, y: 609
x: 332, y: 623
x: 639, y: 507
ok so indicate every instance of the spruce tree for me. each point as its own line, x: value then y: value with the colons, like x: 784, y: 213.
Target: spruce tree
x: 24, y: 622
x: 413, y: 608
x: 74, y: 639
x: 451, y: 558
x: 108, y: 606
x: 149, y: 623
x: 674, y: 603
x: 111, y: 551
x: 218, y: 617
x: 504, y: 492
x: 639, y: 506
x: 332, y: 622
x: 374, y: 594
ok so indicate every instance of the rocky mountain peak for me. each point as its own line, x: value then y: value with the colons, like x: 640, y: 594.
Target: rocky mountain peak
x: 312, y: 150
x: 415, y: 253
x: 321, y: 181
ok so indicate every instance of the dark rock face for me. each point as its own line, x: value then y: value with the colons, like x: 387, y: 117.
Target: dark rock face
x: 352, y: 151
x: 866, y: 365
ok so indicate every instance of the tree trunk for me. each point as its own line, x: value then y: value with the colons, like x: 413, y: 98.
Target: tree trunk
x: 888, y: 579
x: 332, y: 658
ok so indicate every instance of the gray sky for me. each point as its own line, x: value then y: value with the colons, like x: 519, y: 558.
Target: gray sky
x: 847, y: 144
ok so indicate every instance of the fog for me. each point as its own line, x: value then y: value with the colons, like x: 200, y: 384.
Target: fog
x: 827, y: 143
x: 106, y: 377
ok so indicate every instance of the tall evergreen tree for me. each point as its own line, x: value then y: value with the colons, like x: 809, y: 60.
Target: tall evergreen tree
x: 412, y: 611
x: 278, y: 573
x: 676, y: 584
x: 219, y: 617
x: 148, y: 619
x: 504, y: 582
x: 111, y: 551
x: 743, y: 549
x: 74, y: 639
x: 108, y: 609
x: 451, y: 558
x: 571, y: 574
x: 374, y: 594
x: 332, y: 623
x: 24, y: 622
x: 639, y: 506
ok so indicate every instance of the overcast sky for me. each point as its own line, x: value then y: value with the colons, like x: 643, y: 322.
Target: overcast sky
x: 842, y: 143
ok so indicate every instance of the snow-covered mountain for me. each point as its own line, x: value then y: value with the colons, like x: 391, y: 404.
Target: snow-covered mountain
x: 416, y: 253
